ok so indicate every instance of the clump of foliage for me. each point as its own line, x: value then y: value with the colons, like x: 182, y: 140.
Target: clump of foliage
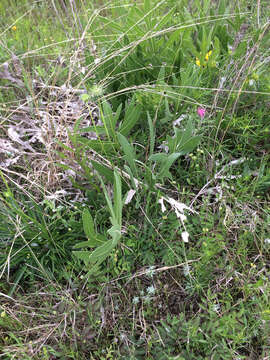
x: 143, y: 233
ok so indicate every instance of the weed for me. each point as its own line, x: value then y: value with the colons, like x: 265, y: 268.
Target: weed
x: 134, y: 159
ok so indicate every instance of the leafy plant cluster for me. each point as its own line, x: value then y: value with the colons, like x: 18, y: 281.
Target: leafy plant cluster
x: 166, y: 256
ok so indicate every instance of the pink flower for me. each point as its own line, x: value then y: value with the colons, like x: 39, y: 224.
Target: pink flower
x: 201, y: 112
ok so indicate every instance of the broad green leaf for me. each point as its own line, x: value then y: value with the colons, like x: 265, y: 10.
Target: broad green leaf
x: 98, y: 240
x: 129, y: 153
x: 117, y: 113
x: 88, y: 224
x: 108, y: 119
x: 103, y: 170
x: 158, y: 157
x: 189, y: 145
x: 165, y: 166
x: 221, y: 7
x: 100, y: 253
x: 115, y: 232
x: 132, y: 115
x: 82, y: 255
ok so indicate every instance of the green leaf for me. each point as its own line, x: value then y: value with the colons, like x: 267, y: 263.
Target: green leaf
x: 98, y: 145
x: 161, y: 76
x: 189, y: 145
x: 183, y: 142
x: 132, y: 179
x: 99, y: 130
x: 165, y: 167
x: 63, y: 145
x: 108, y: 118
x: 88, y: 224
x: 152, y: 134
x: 129, y: 153
x: 107, y: 197
x: 82, y: 255
x: 132, y: 115
x: 103, y: 170
x: 118, y: 203
x: 98, y: 240
x: 100, y: 253
x: 158, y: 157
x: 115, y: 233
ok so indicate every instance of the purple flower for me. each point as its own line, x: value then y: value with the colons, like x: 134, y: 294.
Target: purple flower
x: 201, y: 112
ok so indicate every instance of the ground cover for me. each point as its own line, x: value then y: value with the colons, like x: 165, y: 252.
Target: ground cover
x: 134, y: 164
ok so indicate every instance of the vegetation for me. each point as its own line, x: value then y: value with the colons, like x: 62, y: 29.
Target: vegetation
x: 134, y: 164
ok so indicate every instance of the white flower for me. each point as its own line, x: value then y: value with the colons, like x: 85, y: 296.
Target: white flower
x: 150, y: 272
x: 186, y: 270
x: 177, y: 121
x: 135, y: 300
x: 185, y: 236
x: 216, y: 307
x: 151, y: 290
x: 267, y: 241
x: 164, y: 147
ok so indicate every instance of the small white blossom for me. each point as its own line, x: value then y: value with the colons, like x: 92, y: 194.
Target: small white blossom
x: 151, y: 290
x: 164, y: 147
x: 216, y: 307
x: 135, y: 300
x: 151, y: 271
x: 147, y: 299
x: 177, y: 121
x: 185, y: 236
x: 186, y: 270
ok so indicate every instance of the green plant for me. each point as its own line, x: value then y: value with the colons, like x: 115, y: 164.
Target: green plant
x: 171, y: 225
x: 103, y: 245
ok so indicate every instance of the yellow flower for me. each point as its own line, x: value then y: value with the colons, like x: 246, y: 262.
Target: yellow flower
x: 207, y: 56
x: 198, y: 62
x: 14, y: 28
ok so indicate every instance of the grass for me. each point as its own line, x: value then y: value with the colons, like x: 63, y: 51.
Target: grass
x: 134, y: 163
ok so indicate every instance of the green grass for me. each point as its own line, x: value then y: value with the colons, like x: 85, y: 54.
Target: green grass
x: 131, y: 227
